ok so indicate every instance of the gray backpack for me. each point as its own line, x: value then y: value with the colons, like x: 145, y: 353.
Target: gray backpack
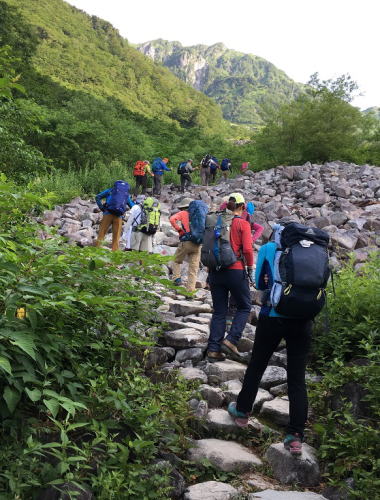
x: 216, y: 251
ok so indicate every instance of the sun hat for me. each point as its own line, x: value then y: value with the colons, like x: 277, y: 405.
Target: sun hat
x: 140, y: 198
x: 239, y: 198
x: 184, y: 203
x: 146, y: 162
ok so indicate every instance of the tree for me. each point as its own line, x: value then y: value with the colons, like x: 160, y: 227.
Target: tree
x: 320, y: 125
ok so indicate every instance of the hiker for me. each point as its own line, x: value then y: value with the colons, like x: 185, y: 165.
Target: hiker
x: 141, y: 170
x: 214, y: 165
x: 184, y: 170
x: 227, y: 252
x: 159, y: 166
x: 209, y: 166
x: 225, y: 168
x: 244, y: 167
x: 142, y: 224
x: 295, y: 328
x: 117, y: 201
x: 190, y: 239
x: 256, y: 231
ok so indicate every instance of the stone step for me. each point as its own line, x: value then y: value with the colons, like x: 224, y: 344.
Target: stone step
x: 211, y: 490
x: 285, y: 495
x: 287, y: 469
x: 220, y: 420
x: 224, y: 455
x: 186, y: 337
x: 226, y: 370
x: 187, y: 307
x: 276, y: 411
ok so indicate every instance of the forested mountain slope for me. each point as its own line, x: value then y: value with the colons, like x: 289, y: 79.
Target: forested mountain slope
x: 83, y: 52
x: 246, y: 86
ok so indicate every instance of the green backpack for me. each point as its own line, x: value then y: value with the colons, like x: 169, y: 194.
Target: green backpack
x: 150, y: 216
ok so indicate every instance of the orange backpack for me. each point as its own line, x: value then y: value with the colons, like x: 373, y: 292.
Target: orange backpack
x: 139, y: 168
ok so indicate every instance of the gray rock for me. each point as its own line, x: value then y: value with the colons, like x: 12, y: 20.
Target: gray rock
x: 213, y: 395
x: 302, y: 470
x: 193, y: 374
x: 225, y: 370
x: 245, y: 344
x: 279, y: 390
x: 202, y: 409
x: 338, y: 218
x: 157, y: 356
x: 285, y: 495
x: 185, y: 307
x: 186, y: 337
x: 318, y: 199
x: 276, y: 410
x: 195, y: 354
x: 210, y: 490
x: 273, y: 375
x: 344, y: 239
x: 278, y: 359
x: 224, y: 455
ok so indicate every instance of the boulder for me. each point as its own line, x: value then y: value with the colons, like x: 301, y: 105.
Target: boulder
x: 273, y: 375
x: 157, y: 356
x: 211, y: 490
x: 195, y: 354
x: 213, y: 395
x: 276, y: 410
x: 285, y: 495
x: 186, y: 337
x: 287, y: 469
x: 227, y: 456
x: 189, y: 373
x: 186, y: 307
x: 225, y: 370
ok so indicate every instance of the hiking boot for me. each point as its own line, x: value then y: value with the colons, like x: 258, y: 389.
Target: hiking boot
x: 231, y: 351
x: 240, y: 418
x: 213, y: 356
x: 177, y: 282
x: 293, y: 444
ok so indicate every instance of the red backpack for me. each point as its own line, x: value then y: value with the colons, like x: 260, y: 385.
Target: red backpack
x: 139, y: 168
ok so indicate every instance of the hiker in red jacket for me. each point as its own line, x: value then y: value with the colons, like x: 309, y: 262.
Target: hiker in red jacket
x: 232, y: 280
x: 141, y: 170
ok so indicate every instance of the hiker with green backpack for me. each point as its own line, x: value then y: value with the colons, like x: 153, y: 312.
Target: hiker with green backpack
x: 292, y: 272
x: 142, y: 224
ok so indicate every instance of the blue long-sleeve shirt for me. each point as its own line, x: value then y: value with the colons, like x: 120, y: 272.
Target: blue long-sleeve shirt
x: 107, y: 195
x: 162, y: 167
x: 265, y: 266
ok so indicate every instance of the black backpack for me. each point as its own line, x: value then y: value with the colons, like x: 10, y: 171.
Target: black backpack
x: 181, y: 167
x: 301, y: 272
x: 216, y: 252
x: 206, y: 160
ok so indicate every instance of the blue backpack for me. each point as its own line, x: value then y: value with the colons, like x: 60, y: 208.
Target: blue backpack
x: 197, y: 216
x: 213, y: 167
x: 181, y: 167
x: 156, y: 165
x: 118, y: 199
x: 226, y: 164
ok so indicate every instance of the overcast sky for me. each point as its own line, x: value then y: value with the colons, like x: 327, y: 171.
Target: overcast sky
x: 298, y: 36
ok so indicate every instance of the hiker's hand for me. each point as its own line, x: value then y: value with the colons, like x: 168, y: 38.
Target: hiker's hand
x: 251, y: 274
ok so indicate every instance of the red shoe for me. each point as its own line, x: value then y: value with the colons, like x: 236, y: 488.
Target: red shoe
x: 293, y: 444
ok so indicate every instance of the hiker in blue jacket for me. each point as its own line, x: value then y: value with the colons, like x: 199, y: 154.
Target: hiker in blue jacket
x: 158, y: 168
x: 110, y: 218
x: 271, y: 328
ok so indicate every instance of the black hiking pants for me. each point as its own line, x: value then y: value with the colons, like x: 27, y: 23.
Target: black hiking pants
x: 141, y: 180
x: 269, y: 332
x: 185, y: 182
x: 157, y: 184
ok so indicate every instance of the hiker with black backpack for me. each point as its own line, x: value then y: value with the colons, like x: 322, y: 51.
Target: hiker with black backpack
x: 207, y: 162
x: 143, y: 223
x: 189, y: 222
x: 141, y: 170
x: 292, y: 272
x: 117, y: 201
x: 185, y: 168
x: 159, y: 167
x: 227, y: 252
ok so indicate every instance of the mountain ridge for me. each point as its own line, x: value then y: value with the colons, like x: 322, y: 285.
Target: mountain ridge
x: 246, y: 86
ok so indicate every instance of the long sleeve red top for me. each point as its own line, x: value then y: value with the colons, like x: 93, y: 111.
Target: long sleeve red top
x: 181, y: 222
x: 241, y: 243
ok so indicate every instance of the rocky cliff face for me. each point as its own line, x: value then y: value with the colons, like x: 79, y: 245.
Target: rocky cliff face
x: 243, y: 84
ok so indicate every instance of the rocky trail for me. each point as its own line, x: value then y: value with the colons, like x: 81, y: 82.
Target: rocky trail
x: 340, y: 198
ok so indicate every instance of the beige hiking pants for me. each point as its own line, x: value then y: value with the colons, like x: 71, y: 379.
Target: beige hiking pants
x: 191, y: 251
x: 116, y: 223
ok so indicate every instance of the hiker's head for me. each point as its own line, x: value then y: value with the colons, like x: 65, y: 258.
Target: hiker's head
x: 236, y: 203
x: 184, y: 204
x: 140, y: 198
x: 146, y: 162
x: 165, y: 160
x: 189, y: 161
